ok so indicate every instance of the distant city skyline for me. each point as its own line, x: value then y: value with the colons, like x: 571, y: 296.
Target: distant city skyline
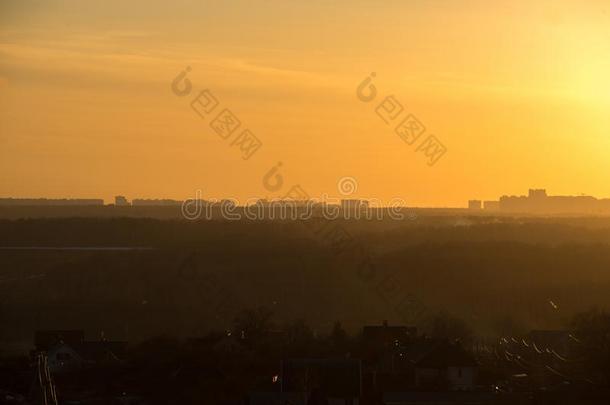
x: 536, y: 200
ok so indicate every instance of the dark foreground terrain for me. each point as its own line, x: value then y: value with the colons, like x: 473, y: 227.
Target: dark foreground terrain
x: 210, y: 309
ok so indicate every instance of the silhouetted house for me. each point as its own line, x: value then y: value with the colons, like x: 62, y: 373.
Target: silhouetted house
x: 386, y: 336
x: 381, y: 342
x: 446, y: 367
x: 338, y: 381
x: 63, y: 357
x: 418, y: 349
x: 46, y: 339
x: 395, y: 371
x: 70, y: 357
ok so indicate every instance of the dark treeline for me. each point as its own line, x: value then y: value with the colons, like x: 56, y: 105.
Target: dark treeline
x: 389, y: 234
x: 514, y: 275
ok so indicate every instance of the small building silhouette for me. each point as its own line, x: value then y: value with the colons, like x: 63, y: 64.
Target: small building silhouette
x: 446, y: 367
x: 474, y: 205
x: 491, y: 205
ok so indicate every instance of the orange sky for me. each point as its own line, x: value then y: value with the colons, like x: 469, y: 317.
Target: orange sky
x: 519, y: 94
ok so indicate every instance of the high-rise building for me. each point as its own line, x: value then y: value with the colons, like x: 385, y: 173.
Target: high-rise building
x: 537, y: 193
x: 491, y: 205
x: 474, y: 204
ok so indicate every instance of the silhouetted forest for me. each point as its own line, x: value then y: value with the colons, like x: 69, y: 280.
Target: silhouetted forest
x: 185, y: 279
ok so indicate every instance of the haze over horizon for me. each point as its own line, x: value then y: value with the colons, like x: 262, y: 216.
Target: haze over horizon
x: 517, y: 92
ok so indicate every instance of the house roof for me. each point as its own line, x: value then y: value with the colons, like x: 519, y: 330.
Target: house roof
x: 386, y: 332
x: 418, y: 349
x: 98, y: 351
x: 102, y: 350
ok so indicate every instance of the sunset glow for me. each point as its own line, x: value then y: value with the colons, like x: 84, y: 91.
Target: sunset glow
x: 518, y: 93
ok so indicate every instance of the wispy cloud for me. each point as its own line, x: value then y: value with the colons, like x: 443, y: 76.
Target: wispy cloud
x: 128, y: 56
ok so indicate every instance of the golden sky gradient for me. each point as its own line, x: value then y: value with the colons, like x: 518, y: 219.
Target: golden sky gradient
x: 517, y: 91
